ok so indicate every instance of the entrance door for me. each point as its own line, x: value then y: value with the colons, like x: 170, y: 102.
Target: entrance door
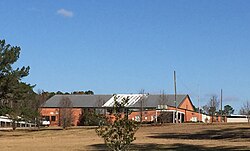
x: 182, y: 118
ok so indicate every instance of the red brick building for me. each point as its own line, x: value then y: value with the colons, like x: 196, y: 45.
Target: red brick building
x: 52, y: 109
x: 152, y: 106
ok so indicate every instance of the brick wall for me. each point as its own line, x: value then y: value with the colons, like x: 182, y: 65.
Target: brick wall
x: 53, y: 115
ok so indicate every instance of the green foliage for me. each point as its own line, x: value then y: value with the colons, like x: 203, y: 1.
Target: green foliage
x: 90, y: 118
x: 16, y: 96
x: 5, y: 110
x: 228, y: 110
x: 89, y: 92
x: 119, y: 134
x: 59, y: 92
x: 43, y: 96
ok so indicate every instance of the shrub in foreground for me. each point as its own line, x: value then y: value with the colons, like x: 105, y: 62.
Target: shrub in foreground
x: 119, y: 134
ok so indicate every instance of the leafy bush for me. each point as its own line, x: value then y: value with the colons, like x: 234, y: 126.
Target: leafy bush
x: 119, y: 134
x: 92, y: 119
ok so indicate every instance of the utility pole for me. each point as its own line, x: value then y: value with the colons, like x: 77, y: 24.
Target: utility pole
x: 213, y: 108
x: 176, y: 114
x: 141, y: 105
x: 221, y: 105
x: 199, y: 109
x: 199, y: 105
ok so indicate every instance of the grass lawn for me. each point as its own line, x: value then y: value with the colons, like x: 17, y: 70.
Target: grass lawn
x: 169, y: 137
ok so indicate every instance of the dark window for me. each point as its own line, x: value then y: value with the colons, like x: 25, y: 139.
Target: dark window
x: 236, y: 116
x: 53, y: 118
x: 2, y: 124
x: 46, y: 118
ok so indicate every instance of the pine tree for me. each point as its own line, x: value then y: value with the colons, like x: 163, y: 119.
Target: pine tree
x: 119, y: 134
x: 15, y: 96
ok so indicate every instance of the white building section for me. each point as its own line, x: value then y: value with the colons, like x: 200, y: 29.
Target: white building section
x: 132, y: 99
x: 7, y: 122
x: 5, y: 119
x: 237, y: 119
x: 205, y: 118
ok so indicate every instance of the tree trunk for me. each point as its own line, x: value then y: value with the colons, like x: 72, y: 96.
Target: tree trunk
x: 14, y: 125
x: 64, y: 123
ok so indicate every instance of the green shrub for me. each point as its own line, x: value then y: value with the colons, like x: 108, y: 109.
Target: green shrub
x: 119, y: 134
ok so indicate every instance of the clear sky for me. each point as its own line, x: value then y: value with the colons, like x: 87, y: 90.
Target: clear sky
x: 116, y: 46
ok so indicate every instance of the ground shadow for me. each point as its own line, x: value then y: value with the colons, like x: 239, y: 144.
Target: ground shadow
x: 177, y: 147
x: 24, y: 132
x: 229, y: 134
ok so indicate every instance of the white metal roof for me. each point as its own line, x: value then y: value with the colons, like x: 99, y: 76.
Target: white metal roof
x: 132, y: 99
x: 5, y: 119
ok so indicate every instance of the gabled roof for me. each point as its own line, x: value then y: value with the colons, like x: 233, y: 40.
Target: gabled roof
x: 91, y: 101
x: 190, y: 102
x: 152, y: 101
x: 78, y: 100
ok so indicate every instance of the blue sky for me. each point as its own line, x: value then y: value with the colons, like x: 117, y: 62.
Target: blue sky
x: 124, y: 46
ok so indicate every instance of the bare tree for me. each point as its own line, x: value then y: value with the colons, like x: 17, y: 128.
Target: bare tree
x: 66, y: 114
x: 163, y: 98
x: 164, y: 117
x: 142, y: 104
x: 212, y: 107
x: 99, y: 102
x: 245, y: 110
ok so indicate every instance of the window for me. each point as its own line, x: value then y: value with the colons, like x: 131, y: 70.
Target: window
x: 53, y: 118
x: 46, y: 118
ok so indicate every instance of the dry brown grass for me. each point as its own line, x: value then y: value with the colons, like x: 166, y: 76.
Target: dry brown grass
x: 168, y: 137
